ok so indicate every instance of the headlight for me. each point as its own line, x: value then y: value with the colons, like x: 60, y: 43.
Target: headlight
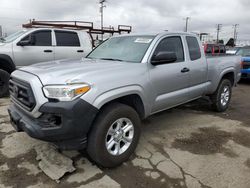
x: 65, y: 92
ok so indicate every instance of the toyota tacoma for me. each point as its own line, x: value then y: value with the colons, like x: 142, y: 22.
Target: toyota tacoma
x: 97, y: 103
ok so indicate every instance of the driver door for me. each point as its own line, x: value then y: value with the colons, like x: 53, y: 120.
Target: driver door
x: 40, y: 50
x: 170, y: 81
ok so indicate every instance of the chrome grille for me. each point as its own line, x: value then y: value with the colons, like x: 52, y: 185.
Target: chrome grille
x: 21, y: 94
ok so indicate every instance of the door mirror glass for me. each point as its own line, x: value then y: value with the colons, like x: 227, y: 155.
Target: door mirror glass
x: 163, y: 58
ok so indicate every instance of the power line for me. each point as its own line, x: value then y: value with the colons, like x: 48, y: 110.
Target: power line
x: 218, y: 28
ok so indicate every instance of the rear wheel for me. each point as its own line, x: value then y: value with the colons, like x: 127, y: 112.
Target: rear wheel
x: 4, y: 83
x: 114, y: 135
x: 222, y: 96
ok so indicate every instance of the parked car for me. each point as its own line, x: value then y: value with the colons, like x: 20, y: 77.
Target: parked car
x: 97, y: 102
x: 245, y: 61
x: 214, y: 49
x: 34, y: 45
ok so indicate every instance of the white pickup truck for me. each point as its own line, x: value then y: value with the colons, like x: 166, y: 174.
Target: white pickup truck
x: 30, y: 46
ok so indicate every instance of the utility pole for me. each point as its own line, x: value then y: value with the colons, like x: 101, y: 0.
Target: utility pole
x: 1, y: 31
x: 218, y: 28
x: 187, y: 19
x: 101, y: 2
x: 235, y: 26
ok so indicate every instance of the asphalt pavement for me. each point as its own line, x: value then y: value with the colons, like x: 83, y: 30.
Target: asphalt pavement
x: 189, y: 146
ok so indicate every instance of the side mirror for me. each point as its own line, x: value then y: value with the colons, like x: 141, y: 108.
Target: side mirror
x: 163, y: 58
x: 30, y: 41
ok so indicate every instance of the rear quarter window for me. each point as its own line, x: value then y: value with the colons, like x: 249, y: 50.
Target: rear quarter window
x: 193, y: 48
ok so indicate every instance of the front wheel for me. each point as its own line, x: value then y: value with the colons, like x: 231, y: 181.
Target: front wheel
x: 114, y: 135
x: 222, y: 96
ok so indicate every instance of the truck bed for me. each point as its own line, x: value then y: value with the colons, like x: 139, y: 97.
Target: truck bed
x: 218, y: 65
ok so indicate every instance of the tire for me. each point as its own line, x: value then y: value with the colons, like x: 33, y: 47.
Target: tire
x: 100, y: 135
x: 4, y: 83
x: 222, y: 96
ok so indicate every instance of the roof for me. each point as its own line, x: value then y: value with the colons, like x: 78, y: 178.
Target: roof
x: 158, y: 34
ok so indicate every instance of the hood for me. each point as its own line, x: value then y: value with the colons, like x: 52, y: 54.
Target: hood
x: 83, y: 70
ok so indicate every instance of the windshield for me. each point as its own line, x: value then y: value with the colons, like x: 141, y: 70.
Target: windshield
x: 125, y: 48
x: 13, y: 36
x: 245, y: 52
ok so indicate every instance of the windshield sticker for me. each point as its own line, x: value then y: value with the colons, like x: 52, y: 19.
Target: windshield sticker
x: 143, y: 40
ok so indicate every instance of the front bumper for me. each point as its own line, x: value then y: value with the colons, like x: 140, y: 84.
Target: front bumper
x: 65, y: 124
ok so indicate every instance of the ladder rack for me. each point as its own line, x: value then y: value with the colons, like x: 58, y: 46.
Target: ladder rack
x: 79, y: 25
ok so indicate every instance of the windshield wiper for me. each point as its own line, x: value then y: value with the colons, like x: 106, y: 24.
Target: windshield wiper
x: 111, y: 59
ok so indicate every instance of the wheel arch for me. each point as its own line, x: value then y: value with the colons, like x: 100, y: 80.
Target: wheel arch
x: 6, y: 63
x: 227, y: 73
x: 230, y: 76
x: 131, y: 96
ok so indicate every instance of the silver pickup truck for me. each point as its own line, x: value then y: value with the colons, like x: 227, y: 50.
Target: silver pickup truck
x: 98, y: 102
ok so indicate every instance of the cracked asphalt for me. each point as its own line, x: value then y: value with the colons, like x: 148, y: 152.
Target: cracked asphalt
x: 189, y: 146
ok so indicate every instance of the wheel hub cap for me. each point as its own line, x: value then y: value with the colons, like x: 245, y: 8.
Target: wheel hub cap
x: 225, y: 95
x: 119, y: 136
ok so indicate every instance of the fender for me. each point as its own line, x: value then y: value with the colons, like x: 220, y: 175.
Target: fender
x: 7, y: 65
x: 227, y: 70
x: 116, y: 93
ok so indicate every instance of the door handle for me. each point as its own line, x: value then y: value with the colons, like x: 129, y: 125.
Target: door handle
x: 185, y: 70
x: 80, y: 51
x: 48, y: 51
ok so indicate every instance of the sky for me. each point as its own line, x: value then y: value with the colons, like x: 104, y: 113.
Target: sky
x: 142, y: 15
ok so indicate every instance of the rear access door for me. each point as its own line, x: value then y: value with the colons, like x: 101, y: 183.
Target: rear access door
x: 68, y: 45
x: 197, y: 65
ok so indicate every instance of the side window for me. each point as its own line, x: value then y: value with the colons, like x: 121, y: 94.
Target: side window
x: 171, y: 44
x: 41, y: 38
x: 216, y: 49
x: 194, y: 48
x: 67, y: 38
